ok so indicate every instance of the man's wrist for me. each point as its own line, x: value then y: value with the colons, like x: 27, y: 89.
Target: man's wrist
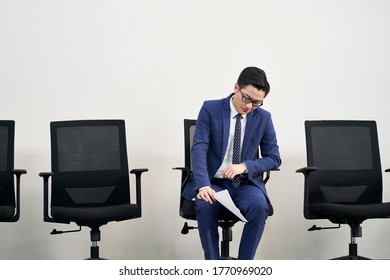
x: 244, y: 165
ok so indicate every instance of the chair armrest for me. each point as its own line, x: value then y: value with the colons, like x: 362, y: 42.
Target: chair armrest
x: 18, y: 173
x: 185, y: 171
x: 306, y: 170
x: 181, y: 168
x: 268, y: 175
x: 138, y: 172
x: 46, y: 176
x: 265, y: 179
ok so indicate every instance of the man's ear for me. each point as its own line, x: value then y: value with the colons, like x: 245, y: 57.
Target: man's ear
x: 236, y: 87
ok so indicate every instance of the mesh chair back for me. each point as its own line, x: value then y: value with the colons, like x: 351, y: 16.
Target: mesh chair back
x: 187, y: 207
x: 189, y: 131
x: 89, y: 163
x: 347, y: 155
x: 7, y: 133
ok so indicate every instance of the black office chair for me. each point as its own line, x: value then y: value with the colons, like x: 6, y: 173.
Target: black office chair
x: 343, y: 177
x: 90, y: 177
x: 9, y: 195
x: 187, y: 207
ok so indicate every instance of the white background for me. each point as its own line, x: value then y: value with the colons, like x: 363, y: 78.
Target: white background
x: 153, y: 63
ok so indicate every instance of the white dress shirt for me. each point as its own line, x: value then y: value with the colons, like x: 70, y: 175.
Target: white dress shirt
x: 228, y: 158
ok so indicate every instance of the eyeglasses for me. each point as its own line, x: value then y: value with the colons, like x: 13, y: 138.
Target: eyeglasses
x: 247, y: 99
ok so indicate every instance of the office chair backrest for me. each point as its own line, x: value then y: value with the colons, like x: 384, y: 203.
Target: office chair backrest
x: 189, y: 131
x: 89, y: 163
x: 7, y: 133
x: 346, y: 154
x: 187, y: 207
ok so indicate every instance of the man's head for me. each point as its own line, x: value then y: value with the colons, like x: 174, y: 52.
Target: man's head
x: 250, y: 90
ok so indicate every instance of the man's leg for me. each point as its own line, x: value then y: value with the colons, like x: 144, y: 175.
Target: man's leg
x: 252, y: 202
x: 207, y: 217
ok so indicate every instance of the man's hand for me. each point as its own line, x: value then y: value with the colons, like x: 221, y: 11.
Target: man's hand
x: 233, y: 170
x: 206, y: 194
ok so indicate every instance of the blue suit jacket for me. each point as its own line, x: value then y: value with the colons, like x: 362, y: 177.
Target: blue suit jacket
x: 210, y: 144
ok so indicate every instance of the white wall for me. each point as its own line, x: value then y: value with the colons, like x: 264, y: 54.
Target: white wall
x: 153, y: 63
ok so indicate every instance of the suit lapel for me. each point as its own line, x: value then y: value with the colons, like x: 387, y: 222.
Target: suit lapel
x: 248, y: 133
x: 225, y: 125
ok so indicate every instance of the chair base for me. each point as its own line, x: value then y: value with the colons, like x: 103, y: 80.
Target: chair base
x: 95, y: 252
x: 351, y: 258
x: 227, y: 237
x: 352, y: 254
x: 225, y: 248
x: 95, y: 237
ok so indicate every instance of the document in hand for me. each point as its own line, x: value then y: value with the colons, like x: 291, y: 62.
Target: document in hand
x: 224, y: 198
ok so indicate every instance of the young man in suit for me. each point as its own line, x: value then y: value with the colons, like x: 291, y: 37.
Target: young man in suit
x: 217, y: 163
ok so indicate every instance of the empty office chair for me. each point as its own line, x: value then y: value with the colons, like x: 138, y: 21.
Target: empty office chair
x: 9, y: 196
x: 343, y: 177
x: 89, y: 177
x: 187, y: 207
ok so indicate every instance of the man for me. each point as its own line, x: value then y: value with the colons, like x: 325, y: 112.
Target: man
x: 217, y: 165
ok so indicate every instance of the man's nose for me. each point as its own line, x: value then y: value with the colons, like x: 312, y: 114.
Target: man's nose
x: 249, y: 105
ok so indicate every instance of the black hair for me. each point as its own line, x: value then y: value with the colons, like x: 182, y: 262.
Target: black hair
x: 254, y: 76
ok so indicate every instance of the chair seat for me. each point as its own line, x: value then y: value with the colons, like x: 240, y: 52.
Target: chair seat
x: 6, y: 212
x: 187, y: 209
x: 96, y: 215
x: 358, y: 212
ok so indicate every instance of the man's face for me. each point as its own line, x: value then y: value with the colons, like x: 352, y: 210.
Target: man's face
x: 247, y: 99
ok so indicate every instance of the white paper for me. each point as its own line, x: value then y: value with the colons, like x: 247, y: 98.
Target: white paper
x: 224, y: 198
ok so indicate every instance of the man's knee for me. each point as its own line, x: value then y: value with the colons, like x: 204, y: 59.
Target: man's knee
x: 202, y: 206
x: 257, y: 210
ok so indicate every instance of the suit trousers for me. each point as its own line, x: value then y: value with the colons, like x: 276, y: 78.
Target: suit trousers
x: 253, y: 205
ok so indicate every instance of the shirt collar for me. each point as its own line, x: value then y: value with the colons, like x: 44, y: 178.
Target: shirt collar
x: 233, y: 111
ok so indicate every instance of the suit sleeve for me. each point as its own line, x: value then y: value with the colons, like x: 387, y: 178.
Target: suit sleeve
x: 200, y: 148
x: 270, y: 156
